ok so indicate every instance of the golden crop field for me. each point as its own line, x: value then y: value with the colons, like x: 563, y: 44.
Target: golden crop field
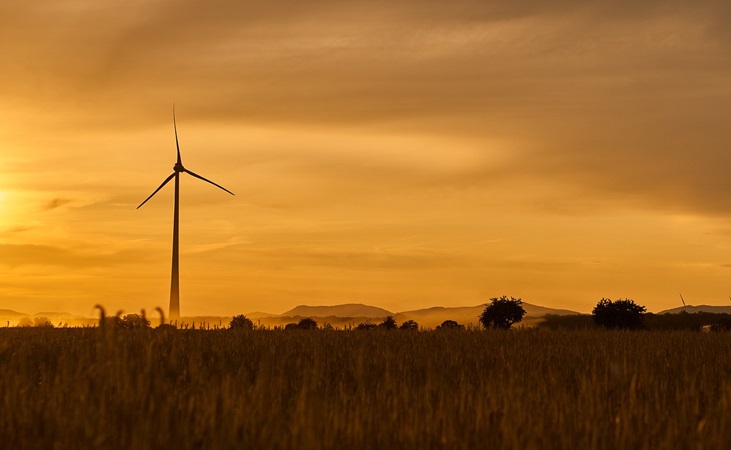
x: 194, y: 389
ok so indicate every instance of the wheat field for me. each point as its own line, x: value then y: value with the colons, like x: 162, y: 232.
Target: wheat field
x: 196, y: 389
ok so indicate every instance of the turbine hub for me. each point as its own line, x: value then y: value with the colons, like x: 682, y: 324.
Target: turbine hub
x: 178, y: 167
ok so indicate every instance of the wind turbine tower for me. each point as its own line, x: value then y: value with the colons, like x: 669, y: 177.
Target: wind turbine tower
x: 178, y: 168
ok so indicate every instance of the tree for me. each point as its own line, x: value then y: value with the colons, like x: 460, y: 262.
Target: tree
x: 410, y: 325
x: 241, y: 322
x: 618, y: 314
x: 389, y: 323
x: 42, y: 322
x: 450, y: 325
x: 134, y: 322
x: 366, y: 326
x: 307, y: 324
x: 304, y: 324
x: 502, y: 312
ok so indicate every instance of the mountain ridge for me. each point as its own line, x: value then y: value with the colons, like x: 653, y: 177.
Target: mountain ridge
x: 337, y: 315
x: 690, y: 309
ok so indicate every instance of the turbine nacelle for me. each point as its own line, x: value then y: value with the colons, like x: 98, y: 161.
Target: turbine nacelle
x: 178, y: 168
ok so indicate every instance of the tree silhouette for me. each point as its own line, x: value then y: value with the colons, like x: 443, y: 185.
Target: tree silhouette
x: 502, y: 312
x: 618, y: 314
x: 304, y: 324
x: 42, y: 322
x: 366, y: 326
x: 241, y: 322
x: 307, y: 324
x: 450, y: 325
x: 389, y: 323
x: 134, y: 322
x: 409, y: 325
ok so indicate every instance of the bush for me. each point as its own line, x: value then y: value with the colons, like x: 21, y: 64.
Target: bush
x: 39, y: 322
x: 409, y: 325
x: 389, y: 323
x: 365, y: 326
x: 307, y: 324
x: 450, y: 325
x: 502, y: 312
x: 619, y: 314
x: 134, y: 322
x: 304, y: 324
x: 241, y: 322
x: 42, y: 322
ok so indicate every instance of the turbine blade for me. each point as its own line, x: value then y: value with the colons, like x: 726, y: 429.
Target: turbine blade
x: 175, y: 127
x: 208, y: 181
x: 682, y: 299
x: 159, y: 187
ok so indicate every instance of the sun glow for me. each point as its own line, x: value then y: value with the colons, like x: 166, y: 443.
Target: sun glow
x: 3, y: 201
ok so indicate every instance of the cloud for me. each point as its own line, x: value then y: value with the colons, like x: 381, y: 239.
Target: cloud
x: 56, y: 203
x: 49, y: 255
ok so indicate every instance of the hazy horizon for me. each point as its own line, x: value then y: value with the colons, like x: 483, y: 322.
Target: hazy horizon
x: 396, y: 154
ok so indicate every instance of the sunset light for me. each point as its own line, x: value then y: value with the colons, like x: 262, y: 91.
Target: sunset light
x: 365, y: 224
x: 403, y: 157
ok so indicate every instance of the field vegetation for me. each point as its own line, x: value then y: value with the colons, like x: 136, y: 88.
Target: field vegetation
x: 143, y: 388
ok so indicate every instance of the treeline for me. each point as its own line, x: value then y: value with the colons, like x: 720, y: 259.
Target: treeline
x: 501, y: 313
x: 680, y: 321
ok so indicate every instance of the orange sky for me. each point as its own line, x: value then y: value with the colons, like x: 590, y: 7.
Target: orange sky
x: 400, y: 154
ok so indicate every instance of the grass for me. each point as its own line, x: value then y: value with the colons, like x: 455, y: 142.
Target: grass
x: 191, y: 389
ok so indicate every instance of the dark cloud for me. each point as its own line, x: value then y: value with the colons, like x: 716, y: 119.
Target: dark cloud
x: 616, y: 99
x: 56, y: 203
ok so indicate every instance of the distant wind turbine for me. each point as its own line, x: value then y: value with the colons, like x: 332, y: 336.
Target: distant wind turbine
x: 682, y: 300
x: 174, y: 312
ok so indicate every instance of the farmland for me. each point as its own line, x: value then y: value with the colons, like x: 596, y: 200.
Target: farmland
x: 220, y: 389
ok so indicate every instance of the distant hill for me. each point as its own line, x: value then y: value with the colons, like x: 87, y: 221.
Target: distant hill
x: 431, y: 317
x: 700, y: 308
x: 345, y: 315
x: 346, y: 310
x: 9, y: 313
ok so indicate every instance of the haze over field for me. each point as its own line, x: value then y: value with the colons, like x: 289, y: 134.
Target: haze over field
x: 403, y: 154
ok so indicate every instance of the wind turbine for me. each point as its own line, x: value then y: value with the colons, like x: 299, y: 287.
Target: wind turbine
x: 178, y: 168
x: 682, y: 300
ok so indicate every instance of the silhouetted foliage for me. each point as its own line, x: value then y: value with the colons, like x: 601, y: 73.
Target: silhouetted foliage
x: 327, y: 327
x: 304, y: 324
x: 134, y: 322
x: 366, y: 326
x: 619, y: 314
x: 241, y: 322
x: 42, y: 322
x: 685, y: 321
x: 722, y: 325
x: 502, y: 312
x: 409, y: 325
x: 38, y: 322
x: 389, y: 323
x: 450, y: 325
x: 667, y: 321
x: 307, y: 324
